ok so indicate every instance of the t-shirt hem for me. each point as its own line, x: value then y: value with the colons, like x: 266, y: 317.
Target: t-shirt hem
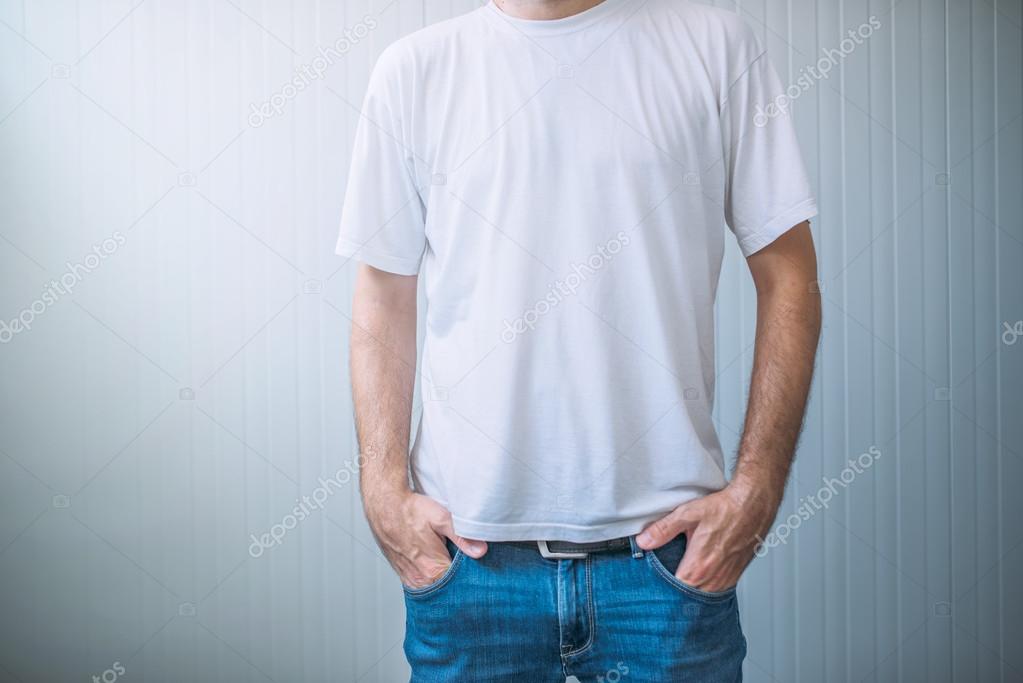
x: 398, y: 265
x: 529, y: 531
x: 778, y: 226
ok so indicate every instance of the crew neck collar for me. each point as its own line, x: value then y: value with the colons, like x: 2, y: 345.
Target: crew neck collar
x: 548, y: 27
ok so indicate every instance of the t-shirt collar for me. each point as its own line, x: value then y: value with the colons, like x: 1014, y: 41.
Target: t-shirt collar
x: 548, y: 27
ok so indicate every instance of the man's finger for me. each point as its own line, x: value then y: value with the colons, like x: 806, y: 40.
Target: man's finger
x: 472, y: 548
x: 679, y: 520
x: 425, y: 568
x: 435, y: 568
x: 688, y: 567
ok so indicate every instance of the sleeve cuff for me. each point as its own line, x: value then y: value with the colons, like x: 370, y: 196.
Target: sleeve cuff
x: 398, y: 265
x: 777, y: 227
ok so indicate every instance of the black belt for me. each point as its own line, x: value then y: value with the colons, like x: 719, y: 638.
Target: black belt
x: 566, y: 550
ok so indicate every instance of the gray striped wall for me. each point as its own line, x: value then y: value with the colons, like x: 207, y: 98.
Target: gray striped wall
x: 193, y: 383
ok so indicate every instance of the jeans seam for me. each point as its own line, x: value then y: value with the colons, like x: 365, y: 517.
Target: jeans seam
x: 561, y: 616
x: 591, y: 608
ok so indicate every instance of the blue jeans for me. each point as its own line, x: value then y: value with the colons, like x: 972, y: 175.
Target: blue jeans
x: 617, y: 616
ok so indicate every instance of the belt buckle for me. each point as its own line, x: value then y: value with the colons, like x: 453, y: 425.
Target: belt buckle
x: 546, y: 552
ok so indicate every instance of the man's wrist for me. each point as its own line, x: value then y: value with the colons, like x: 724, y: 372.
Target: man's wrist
x: 756, y: 492
x: 384, y: 491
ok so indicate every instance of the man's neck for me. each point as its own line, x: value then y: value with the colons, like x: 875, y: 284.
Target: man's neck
x: 544, y: 9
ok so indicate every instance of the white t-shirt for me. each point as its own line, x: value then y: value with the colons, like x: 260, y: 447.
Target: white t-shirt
x: 563, y: 187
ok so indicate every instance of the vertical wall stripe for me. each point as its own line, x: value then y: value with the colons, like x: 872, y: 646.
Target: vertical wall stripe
x: 948, y: 237
x: 900, y: 567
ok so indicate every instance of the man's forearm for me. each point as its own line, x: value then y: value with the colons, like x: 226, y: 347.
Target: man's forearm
x: 788, y: 328
x: 383, y: 358
x: 409, y: 527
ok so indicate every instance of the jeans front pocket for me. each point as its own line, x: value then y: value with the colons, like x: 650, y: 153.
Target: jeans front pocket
x: 670, y: 555
x: 445, y: 578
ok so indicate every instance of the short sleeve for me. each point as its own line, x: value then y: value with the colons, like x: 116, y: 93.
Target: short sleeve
x: 383, y: 218
x: 767, y: 191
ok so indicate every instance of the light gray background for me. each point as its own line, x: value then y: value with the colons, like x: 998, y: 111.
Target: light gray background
x: 194, y: 383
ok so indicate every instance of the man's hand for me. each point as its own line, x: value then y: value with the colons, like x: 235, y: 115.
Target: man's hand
x: 721, y: 535
x: 410, y: 529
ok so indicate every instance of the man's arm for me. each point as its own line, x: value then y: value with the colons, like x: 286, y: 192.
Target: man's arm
x: 408, y: 527
x: 722, y: 529
x: 788, y: 328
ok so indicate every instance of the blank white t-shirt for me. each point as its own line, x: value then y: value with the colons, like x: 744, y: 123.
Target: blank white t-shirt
x: 563, y: 188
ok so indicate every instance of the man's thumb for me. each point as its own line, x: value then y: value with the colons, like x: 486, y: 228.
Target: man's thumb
x: 668, y: 527
x: 472, y: 548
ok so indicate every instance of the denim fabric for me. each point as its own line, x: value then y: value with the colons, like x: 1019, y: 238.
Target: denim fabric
x: 622, y: 616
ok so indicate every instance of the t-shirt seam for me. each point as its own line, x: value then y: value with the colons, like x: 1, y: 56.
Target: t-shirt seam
x: 361, y: 247
x: 759, y: 234
x: 401, y: 133
x: 728, y: 90
x: 581, y: 527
